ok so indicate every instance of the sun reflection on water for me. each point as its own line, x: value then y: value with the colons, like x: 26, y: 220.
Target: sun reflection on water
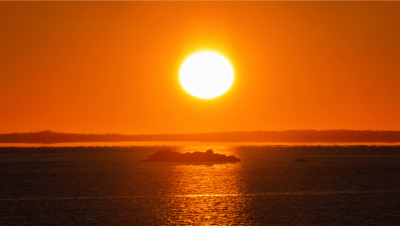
x: 109, y: 186
x: 208, y: 192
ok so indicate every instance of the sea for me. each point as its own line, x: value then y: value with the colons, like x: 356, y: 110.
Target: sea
x: 273, y: 184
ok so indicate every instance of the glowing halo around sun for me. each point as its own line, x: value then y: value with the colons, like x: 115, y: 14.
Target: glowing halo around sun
x: 206, y: 75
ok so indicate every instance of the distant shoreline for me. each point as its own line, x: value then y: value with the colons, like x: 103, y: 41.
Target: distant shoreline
x: 289, y: 137
x: 174, y: 144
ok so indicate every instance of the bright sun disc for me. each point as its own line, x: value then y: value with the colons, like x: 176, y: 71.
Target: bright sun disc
x: 206, y: 75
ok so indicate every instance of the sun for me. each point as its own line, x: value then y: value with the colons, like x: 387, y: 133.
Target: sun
x: 206, y: 75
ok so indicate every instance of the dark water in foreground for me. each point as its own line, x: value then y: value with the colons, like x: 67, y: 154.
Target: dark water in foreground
x: 353, y: 185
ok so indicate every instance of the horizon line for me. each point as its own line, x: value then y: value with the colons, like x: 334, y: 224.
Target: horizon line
x: 196, y: 133
x: 288, y: 136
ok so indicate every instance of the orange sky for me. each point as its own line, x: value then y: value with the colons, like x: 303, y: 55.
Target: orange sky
x: 112, y: 67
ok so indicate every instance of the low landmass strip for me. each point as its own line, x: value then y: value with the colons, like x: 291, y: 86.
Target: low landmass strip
x: 288, y: 136
x: 173, y: 156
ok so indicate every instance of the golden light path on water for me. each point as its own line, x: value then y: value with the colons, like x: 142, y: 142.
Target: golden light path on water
x: 268, y: 185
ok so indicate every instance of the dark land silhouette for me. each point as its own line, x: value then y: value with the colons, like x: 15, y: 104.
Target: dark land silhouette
x: 173, y: 156
x: 301, y: 160
x: 288, y: 136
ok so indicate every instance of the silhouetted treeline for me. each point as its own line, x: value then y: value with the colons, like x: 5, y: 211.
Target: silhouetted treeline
x: 290, y: 136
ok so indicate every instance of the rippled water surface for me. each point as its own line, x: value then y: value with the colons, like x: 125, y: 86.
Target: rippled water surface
x: 337, y: 185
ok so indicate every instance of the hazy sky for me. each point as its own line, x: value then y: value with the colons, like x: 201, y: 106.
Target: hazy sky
x: 105, y: 67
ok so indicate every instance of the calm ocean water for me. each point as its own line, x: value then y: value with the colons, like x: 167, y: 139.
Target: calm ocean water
x: 338, y: 185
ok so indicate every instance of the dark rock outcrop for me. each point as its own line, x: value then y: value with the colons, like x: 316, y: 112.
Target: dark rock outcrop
x: 172, y: 156
x: 301, y: 160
